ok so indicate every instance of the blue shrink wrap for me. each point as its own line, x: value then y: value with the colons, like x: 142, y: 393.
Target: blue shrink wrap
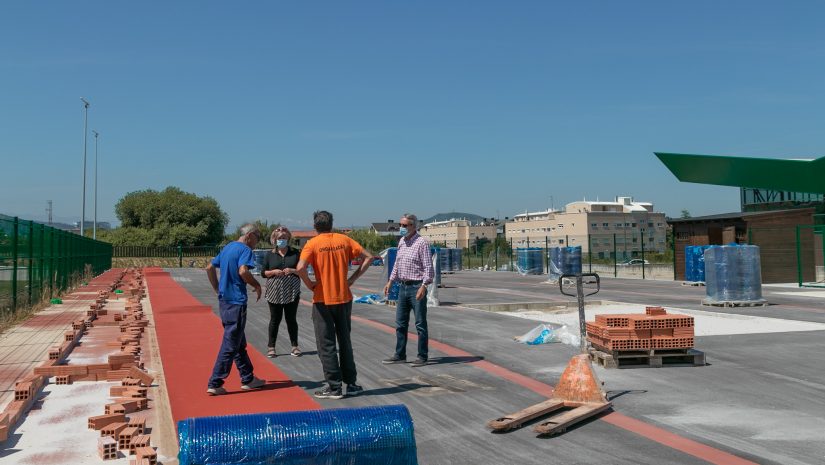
x: 366, y: 435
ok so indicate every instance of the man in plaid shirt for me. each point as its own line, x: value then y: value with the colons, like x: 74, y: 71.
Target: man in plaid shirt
x: 414, y: 272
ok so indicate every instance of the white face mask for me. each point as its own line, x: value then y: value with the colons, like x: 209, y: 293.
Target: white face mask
x: 280, y: 243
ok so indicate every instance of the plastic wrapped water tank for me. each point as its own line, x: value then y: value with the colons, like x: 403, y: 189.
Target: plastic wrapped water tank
x: 695, y: 262
x: 366, y: 435
x: 563, y: 260
x: 529, y: 261
x: 733, y: 275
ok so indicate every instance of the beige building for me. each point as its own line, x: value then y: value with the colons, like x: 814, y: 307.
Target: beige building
x: 593, y: 224
x: 458, y: 233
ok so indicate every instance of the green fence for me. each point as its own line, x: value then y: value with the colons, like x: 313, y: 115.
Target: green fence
x: 174, y: 255
x: 39, y: 262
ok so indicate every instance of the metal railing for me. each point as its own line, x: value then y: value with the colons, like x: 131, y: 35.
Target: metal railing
x: 39, y: 262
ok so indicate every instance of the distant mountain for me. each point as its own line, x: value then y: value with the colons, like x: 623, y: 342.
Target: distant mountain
x: 454, y: 215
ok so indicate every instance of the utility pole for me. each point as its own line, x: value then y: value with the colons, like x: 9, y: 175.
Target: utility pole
x: 49, y: 211
x: 94, y: 227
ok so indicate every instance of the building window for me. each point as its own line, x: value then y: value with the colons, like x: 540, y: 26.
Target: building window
x: 594, y: 225
x: 605, y: 225
x: 561, y: 241
x: 561, y: 226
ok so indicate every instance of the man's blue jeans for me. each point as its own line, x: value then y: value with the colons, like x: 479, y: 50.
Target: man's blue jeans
x: 407, y: 303
x: 233, y: 346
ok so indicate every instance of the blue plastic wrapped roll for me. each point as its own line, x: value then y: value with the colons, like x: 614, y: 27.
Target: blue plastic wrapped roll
x: 455, y: 260
x: 733, y: 274
x: 367, y: 435
x: 564, y: 260
x: 529, y: 260
x: 392, y: 295
x: 695, y: 262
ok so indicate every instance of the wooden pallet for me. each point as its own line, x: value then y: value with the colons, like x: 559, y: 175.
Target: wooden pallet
x: 736, y: 303
x: 655, y: 358
x: 693, y: 283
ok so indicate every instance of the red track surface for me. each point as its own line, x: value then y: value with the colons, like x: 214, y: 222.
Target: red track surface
x: 189, y: 336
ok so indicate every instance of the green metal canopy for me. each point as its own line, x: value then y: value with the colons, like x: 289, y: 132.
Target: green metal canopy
x: 761, y: 173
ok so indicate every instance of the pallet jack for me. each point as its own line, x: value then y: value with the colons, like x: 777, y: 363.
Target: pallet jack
x: 578, y: 394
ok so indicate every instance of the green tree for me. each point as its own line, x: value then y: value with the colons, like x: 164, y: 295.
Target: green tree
x: 167, y: 218
x: 263, y: 226
x: 372, y: 241
x: 685, y: 214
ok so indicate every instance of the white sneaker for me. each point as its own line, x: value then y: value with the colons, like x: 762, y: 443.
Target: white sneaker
x: 218, y: 391
x: 254, y: 384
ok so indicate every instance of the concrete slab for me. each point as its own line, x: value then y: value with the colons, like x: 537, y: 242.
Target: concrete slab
x: 707, y: 323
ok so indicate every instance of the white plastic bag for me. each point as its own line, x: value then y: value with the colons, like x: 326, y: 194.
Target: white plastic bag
x: 546, y: 333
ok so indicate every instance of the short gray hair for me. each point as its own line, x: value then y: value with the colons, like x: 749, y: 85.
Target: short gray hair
x: 250, y: 228
x: 410, y: 217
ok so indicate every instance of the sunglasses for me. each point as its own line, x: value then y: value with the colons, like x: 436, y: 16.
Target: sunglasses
x: 406, y: 224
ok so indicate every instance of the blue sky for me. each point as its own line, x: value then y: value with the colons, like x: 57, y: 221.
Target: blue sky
x: 370, y: 109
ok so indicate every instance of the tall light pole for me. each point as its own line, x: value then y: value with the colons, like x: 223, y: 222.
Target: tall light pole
x: 85, y: 131
x: 94, y: 227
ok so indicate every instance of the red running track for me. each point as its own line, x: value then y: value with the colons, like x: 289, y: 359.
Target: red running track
x: 189, y: 336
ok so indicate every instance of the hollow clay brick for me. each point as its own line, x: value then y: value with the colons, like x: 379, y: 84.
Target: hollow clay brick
x: 101, y: 421
x: 144, y: 377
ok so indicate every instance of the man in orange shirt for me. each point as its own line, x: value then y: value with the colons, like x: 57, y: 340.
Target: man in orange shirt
x: 329, y: 254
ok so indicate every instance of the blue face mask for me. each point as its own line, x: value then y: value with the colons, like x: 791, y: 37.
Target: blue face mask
x: 280, y: 243
x: 402, y: 231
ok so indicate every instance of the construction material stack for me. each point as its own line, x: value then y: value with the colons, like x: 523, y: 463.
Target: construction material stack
x: 650, y: 339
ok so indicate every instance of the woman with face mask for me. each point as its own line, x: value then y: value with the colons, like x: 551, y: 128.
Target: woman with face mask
x: 283, y: 288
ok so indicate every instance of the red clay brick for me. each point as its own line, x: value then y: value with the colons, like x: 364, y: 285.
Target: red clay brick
x: 144, y: 377
x: 107, y: 448
x: 113, y: 429
x: 101, y: 421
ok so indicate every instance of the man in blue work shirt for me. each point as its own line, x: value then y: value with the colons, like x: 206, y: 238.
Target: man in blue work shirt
x: 235, y: 261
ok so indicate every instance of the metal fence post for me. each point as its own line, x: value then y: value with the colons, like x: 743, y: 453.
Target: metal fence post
x: 615, y: 258
x: 589, y: 254
x: 180, y: 256
x: 673, y: 246
x: 30, y: 265
x: 642, y: 237
x: 14, y: 243
x: 41, y: 261
x: 798, y: 256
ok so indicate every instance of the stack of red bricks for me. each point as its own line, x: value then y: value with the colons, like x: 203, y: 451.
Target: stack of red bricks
x: 655, y: 329
x: 117, y: 431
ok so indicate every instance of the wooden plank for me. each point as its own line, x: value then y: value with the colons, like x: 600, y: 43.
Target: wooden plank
x: 514, y: 420
x: 559, y: 423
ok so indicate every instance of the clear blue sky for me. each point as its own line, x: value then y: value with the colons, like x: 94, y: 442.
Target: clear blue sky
x: 373, y: 108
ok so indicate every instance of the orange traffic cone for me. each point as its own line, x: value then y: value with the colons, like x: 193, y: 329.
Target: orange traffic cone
x: 577, y: 396
x: 579, y: 383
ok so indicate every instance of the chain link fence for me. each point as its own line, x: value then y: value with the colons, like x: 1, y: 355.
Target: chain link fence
x: 39, y: 262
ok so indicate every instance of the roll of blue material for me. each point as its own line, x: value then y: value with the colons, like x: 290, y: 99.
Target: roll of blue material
x: 455, y: 260
x: 366, y: 435
x: 530, y: 260
x: 391, y: 253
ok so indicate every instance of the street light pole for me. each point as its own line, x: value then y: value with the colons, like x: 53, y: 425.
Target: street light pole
x: 85, y: 130
x: 94, y: 227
